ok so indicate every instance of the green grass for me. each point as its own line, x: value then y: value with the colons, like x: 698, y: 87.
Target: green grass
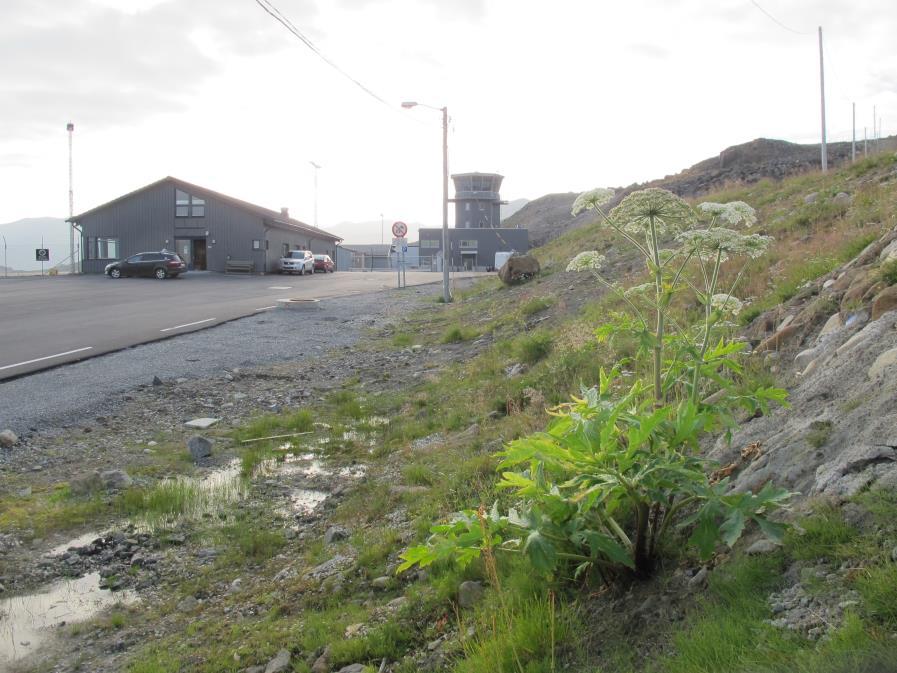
x: 417, y: 474
x: 819, y: 433
x: 346, y: 404
x: 402, y: 340
x: 825, y: 534
x: 246, y: 541
x: 457, y: 334
x: 536, y: 305
x: 532, y: 348
x: 878, y: 587
x: 887, y: 272
x: 276, y: 424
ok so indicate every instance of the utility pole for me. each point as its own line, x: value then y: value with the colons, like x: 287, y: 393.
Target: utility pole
x: 853, y: 142
x: 446, y: 294
x: 822, y: 100
x: 381, y: 229
x: 865, y: 144
x: 316, y: 190
x: 70, y: 127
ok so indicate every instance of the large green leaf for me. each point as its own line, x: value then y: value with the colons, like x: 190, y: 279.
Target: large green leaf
x: 541, y: 552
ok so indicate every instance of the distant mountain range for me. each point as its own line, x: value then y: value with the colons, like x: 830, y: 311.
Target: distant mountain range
x: 25, y: 236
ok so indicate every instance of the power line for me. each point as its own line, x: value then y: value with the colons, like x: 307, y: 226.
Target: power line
x: 779, y: 23
x: 290, y: 26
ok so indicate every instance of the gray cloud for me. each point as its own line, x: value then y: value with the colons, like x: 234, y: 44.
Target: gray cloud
x: 100, y: 65
x: 465, y: 8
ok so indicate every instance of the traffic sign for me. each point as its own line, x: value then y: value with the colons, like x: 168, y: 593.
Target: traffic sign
x: 42, y: 255
x: 399, y: 229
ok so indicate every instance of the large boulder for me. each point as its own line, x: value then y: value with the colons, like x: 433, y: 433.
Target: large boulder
x: 884, y: 301
x: 518, y: 269
x: 8, y: 439
x: 199, y: 447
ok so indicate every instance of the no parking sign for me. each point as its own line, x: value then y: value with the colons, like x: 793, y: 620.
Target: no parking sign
x: 42, y: 255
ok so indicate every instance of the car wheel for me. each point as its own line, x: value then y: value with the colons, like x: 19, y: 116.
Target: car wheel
x: 115, y: 273
x: 161, y: 274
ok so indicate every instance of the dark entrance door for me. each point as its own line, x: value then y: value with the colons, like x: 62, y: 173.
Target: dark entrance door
x: 199, y: 254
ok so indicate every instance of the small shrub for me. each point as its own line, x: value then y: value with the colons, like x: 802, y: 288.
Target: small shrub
x: 819, y: 433
x: 402, y: 340
x: 535, y: 305
x: 887, y: 272
x: 249, y: 542
x: 534, y: 347
x: 457, y: 334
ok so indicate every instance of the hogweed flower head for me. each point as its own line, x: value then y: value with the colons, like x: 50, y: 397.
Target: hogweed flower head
x: 590, y: 260
x: 667, y: 211
x: 733, y: 213
x: 726, y: 303
x: 592, y: 200
x: 706, y: 242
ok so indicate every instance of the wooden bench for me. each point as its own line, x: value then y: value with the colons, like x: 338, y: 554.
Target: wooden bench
x: 239, y: 266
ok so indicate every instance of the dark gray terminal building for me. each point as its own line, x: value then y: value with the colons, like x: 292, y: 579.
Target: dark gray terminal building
x: 206, y: 228
x: 477, y: 234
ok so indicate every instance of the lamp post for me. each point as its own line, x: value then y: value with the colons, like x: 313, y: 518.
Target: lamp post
x: 381, y: 229
x: 446, y: 294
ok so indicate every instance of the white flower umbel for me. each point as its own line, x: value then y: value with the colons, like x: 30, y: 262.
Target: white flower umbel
x: 647, y: 208
x: 590, y: 260
x: 592, y: 200
x: 726, y: 303
x: 733, y: 213
x: 708, y: 242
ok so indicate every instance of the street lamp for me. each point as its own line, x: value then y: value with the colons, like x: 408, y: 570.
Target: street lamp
x: 446, y: 295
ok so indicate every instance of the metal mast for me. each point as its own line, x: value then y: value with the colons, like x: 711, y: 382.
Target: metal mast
x: 822, y: 96
x: 70, y: 127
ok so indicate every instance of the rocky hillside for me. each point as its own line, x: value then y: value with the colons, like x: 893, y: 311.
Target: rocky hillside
x: 548, y: 217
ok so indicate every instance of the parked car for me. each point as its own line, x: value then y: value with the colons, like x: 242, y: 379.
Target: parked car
x: 152, y: 264
x: 298, y: 261
x: 324, y: 263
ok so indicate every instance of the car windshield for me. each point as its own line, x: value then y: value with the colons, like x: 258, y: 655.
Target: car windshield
x: 320, y: 258
x: 297, y: 254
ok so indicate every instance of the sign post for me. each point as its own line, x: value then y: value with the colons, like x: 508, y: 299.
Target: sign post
x: 42, y: 255
x: 400, y: 243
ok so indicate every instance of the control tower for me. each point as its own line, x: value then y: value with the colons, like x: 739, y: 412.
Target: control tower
x: 477, y: 203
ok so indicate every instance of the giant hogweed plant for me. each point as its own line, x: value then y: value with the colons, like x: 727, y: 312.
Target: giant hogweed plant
x: 617, y: 469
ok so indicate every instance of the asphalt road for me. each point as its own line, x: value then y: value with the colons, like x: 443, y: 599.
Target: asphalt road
x: 48, y: 321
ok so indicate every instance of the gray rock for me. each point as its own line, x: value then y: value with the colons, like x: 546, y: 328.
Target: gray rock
x: 804, y: 358
x: 381, y: 582
x: 157, y: 381
x: 8, y: 439
x: 335, y: 534
x: 86, y: 482
x: 254, y: 669
x: 469, y: 593
x: 811, y: 198
x: 116, y: 479
x: 842, y: 199
x: 883, y: 362
x: 280, y: 663
x: 202, y: 423
x: 322, y: 663
x: 699, y: 579
x: 199, y: 447
x: 763, y: 546
x: 847, y: 474
x: 352, y: 668
x: 187, y: 604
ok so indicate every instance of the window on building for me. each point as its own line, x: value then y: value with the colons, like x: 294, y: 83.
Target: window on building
x: 256, y: 244
x: 429, y: 243
x: 467, y: 206
x: 482, y: 205
x: 285, y: 250
x: 187, y: 205
x: 468, y: 244
x: 102, y: 248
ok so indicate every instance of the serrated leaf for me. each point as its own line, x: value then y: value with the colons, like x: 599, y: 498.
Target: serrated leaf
x: 704, y: 537
x: 731, y: 528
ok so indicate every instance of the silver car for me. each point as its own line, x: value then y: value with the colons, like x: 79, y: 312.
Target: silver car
x: 298, y: 261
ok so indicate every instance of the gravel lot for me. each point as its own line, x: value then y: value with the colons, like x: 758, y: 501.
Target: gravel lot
x: 67, y: 394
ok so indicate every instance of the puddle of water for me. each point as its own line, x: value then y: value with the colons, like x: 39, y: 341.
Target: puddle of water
x: 27, y: 621
x: 202, y: 497
x: 80, y: 541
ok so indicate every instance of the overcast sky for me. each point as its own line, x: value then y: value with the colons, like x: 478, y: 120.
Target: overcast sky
x: 557, y: 96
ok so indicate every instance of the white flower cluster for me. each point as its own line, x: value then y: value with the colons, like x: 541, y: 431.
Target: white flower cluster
x: 726, y: 303
x: 720, y: 239
x: 734, y: 212
x: 666, y: 210
x: 592, y: 200
x: 644, y: 288
x: 590, y: 260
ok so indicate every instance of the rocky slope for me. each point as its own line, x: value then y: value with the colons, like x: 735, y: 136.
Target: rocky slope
x: 548, y: 217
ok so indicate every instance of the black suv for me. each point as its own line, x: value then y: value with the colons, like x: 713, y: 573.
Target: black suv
x: 155, y: 264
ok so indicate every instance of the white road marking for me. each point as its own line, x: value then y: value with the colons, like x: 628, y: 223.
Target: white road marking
x: 281, y: 287
x: 49, y: 357
x: 189, y: 324
x: 265, y: 308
